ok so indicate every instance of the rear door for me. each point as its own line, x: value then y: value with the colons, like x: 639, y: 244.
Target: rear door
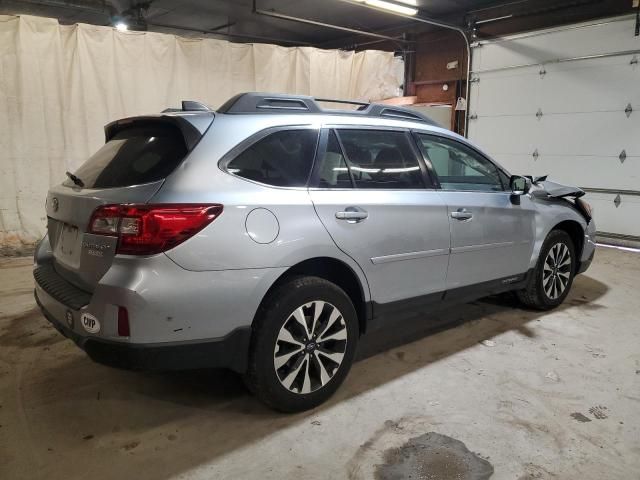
x: 373, y: 195
x: 129, y: 168
x: 491, y: 237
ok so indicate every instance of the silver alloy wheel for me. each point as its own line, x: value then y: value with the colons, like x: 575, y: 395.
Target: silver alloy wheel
x: 556, y: 270
x: 310, y: 347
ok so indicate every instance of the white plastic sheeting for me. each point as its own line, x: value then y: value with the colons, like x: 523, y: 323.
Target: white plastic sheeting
x: 59, y: 85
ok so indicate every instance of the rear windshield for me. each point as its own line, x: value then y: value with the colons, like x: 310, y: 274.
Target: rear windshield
x: 134, y: 156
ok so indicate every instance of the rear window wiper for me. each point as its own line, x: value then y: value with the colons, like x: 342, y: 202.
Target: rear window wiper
x: 75, y: 179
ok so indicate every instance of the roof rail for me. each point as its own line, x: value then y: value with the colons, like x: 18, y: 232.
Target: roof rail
x: 189, y: 106
x: 253, y: 102
x: 348, y: 102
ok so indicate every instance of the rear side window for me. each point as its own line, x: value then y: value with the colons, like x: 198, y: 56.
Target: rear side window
x: 381, y: 159
x: 134, y: 156
x: 282, y: 159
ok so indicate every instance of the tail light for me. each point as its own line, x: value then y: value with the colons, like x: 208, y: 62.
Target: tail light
x: 151, y: 229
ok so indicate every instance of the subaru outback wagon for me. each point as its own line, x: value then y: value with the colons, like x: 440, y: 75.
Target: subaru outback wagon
x: 269, y: 235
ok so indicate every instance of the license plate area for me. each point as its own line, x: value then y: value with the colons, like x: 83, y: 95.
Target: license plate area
x: 68, y: 245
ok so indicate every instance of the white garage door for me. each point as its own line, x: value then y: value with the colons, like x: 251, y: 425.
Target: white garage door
x: 553, y: 102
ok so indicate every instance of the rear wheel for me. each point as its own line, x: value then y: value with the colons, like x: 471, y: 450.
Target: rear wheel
x: 302, y: 345
x: 553, y: 275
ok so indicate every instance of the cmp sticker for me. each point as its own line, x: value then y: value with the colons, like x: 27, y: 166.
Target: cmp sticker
x: 90, y: 323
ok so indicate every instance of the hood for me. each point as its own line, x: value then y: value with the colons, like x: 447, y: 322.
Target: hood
x: 546, y: 188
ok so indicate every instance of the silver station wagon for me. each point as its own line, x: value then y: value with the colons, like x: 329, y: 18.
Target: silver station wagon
x: 269, y: 235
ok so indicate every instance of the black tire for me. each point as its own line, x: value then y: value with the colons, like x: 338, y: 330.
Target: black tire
x: 535, y: 295
x: 264, y: 380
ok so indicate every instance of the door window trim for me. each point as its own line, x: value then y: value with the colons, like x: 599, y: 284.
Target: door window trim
x: 427, y: 178
x: 432, y: 171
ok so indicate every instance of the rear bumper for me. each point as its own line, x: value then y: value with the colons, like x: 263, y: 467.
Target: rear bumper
x: 230, y: 351
x: 178, y: 319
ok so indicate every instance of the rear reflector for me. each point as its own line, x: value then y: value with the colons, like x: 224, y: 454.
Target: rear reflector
x: 151, y: 229
x: 123, y: 322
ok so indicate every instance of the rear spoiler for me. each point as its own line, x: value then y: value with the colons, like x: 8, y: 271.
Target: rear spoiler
x: 192, y: 127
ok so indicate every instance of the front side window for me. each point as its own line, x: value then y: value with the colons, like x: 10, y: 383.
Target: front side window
x: 282, y: 159
x: 380, y: 159
x: 458, y: 167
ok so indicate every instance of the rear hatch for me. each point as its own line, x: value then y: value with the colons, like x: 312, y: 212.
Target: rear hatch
x: 138, y: 155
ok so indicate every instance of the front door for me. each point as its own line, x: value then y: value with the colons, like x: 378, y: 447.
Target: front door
x: 491, y: 236
x: 373, y: 196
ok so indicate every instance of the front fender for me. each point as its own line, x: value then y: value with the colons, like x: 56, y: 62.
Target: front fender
x: 550, y: 213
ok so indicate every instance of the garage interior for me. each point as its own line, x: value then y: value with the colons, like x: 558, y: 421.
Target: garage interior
x: 482, y: 390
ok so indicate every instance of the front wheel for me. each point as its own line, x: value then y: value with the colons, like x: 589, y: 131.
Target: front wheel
x: 303, y: 344
x: 553, y: 275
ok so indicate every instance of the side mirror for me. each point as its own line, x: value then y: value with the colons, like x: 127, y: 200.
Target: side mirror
x: 519, y: 185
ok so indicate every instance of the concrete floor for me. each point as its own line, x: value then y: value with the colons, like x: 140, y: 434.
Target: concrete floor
x: 535, y: 396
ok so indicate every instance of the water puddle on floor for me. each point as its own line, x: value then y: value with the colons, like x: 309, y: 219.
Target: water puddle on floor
x: 433, y: 457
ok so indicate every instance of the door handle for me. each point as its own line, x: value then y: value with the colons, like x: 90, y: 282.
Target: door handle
x: 462, y: 214
x: 352, y: 214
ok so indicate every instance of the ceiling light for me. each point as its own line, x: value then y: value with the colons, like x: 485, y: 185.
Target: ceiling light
x: 121, y: 26
x: 393, y: 7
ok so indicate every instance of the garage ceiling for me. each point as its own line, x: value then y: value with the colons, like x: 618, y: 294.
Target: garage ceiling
x: 235, y: 20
